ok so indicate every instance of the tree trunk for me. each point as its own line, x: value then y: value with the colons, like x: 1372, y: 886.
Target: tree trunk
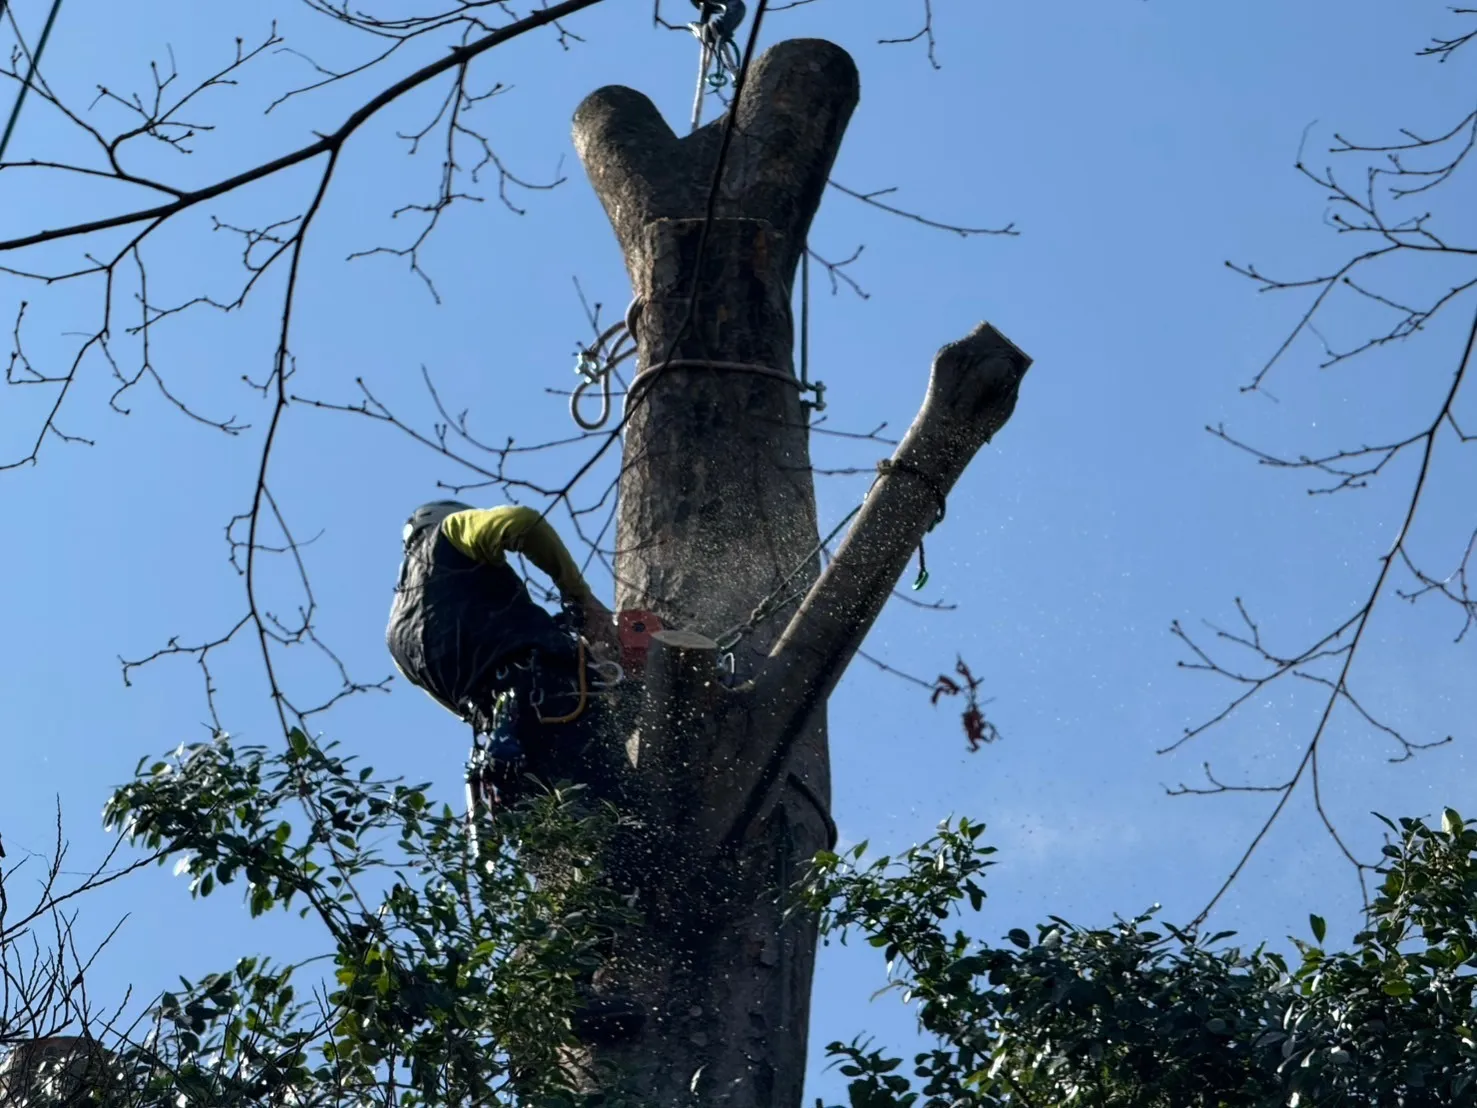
x: 717, y: 513
x: 58, y: 1071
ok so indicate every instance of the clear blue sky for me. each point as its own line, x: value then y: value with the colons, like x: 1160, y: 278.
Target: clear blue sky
x: 1136, y: 146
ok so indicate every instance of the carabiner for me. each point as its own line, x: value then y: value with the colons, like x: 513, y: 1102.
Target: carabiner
x: 615, y: 668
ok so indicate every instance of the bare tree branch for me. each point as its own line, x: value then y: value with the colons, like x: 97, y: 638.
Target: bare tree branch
x: 329, y: 144
x: 161, y: 115
x: 1341, y: 644
x: 925, y: 33
x: 1414, y: 166
x: 872, y: 198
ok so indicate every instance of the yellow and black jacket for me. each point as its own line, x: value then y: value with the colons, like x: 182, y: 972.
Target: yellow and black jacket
x: 461, y: 611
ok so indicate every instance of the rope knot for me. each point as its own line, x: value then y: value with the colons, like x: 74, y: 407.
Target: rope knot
x: 886, y: 467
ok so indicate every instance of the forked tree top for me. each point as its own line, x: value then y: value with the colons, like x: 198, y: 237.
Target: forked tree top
x: 791, y: 113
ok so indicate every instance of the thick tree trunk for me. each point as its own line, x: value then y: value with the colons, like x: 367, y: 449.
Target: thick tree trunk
x: 717, y: 513
x: 61, y: 1070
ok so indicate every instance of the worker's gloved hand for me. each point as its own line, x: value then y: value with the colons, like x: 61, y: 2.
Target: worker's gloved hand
x: 598, y: 626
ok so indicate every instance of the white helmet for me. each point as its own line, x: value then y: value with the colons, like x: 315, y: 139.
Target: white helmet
x: 431, y: 515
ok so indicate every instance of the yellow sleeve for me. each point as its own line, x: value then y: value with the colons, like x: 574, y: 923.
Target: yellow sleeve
x: 489, y: 534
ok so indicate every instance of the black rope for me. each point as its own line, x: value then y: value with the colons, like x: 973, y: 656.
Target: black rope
x: 887, y: 467
x: 15, y: 111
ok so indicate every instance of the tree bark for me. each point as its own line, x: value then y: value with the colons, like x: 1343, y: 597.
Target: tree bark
x: 58, y: 1070
x: 716, y: 513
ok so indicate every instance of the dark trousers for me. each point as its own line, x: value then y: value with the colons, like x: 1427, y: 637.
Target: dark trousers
x: 530, y: 732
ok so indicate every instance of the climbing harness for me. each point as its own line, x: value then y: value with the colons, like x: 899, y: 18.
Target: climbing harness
x: 716, y: 23
x: 537, y: 699
x: 497, y: 759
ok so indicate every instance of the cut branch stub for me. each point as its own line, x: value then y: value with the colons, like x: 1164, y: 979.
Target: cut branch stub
x: 681, y: 680
x: 679, y: 720
x: 971, y: 394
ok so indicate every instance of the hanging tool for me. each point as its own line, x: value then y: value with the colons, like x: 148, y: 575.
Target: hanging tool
x: 716, y: 23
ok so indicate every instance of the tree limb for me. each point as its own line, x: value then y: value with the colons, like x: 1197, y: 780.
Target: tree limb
x: 329, y: 143
x: 971, y: 394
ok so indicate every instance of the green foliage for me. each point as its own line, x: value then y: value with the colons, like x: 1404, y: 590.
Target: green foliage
x: 1131, y: 1016
x: 441, y: 981
x: 445, y: 982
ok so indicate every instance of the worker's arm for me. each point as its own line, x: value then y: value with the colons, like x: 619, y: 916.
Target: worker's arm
x: 490, y: 534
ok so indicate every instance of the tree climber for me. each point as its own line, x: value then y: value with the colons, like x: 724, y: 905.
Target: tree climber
x: 464, y: 628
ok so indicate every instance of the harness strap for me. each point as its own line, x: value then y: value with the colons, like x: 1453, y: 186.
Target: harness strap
x: 584, y: 699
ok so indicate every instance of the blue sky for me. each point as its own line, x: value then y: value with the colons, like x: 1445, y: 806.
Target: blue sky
x: 1135, y: 145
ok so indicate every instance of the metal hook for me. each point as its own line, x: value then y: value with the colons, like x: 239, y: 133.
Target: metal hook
x: 619, y: 673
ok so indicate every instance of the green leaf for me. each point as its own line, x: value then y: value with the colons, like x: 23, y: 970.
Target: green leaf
x: 1019, y: 937
x: 1320, y: 928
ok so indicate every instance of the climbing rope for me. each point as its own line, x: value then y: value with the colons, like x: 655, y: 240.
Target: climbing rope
x: 20, y: 98
x: 716, y: 23
x: 887, y: 467
x: 819, y: 388
x: 597, y: 363
x: 777, y: 600
x: 584, y: 698
x: 649, y: 374
x: 616, y: 344
x: 773, y: 602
